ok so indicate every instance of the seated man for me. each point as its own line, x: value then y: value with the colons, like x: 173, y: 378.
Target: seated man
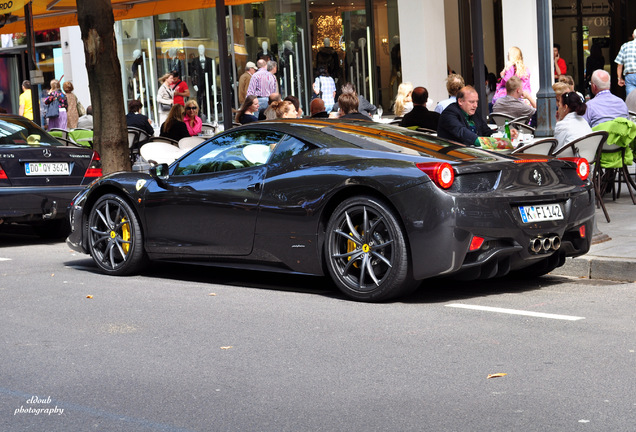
x: 513, y: 103
x: 317, y: 109
x: 420, y: 116
x: 604, y: 106
x: 458, y: 121
x: 349, y: 107
x: 135, y: 119
x: 86, y: 121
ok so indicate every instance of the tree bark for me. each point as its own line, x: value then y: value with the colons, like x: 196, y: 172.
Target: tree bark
x: 96, y: 21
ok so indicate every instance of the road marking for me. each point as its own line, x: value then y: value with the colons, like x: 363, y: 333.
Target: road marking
x: 515, y: 312
x: 5, y: 259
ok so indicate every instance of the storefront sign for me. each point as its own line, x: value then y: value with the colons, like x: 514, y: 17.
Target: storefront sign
x: 8, y: 6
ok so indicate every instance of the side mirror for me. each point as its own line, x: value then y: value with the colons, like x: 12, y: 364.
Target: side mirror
x: 159, y: 171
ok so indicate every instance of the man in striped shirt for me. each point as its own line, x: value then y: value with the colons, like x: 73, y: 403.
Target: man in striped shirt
x: 263, y: 82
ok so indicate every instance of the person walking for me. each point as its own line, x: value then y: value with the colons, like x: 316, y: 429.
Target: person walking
x: 263, y: 82
x: 626, y: 65
x: 325, y: 88
x: 26, y: 103
x: 165, y: 96
x: 72, y: 115
x: 55, y: 94
x: 244, y: 81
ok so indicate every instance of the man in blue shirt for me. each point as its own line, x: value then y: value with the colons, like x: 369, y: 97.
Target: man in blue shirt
x: 604, y: 106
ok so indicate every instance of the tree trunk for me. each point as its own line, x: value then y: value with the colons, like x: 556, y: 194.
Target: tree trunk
x: 96, y: 21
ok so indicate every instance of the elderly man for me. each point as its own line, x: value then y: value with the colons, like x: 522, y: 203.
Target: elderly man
x: 626, y: 64
x: 513, y: 102
x: 263, y: 82
x: 244, y: 81
x: 454, y: 83
x: 605, y: 106
x: 458, y: 121
x: 420, y: 116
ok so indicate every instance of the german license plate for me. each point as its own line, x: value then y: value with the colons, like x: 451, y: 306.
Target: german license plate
x: 539, y: 213
x: 46, y: 168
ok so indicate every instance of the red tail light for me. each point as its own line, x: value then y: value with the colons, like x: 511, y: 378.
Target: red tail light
x: 582, y: 231
x: 94, y: 169
x: 582, y: 166
x: 3, y: 175
x: 476, y: 243
x: 440, y: 172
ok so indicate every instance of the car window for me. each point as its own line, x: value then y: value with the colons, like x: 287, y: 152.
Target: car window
x: 288, y: 147
x: 234, y: 150
x: 18, y: 132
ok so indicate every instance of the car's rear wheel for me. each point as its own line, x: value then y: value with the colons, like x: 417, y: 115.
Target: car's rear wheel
x: 114, y: 236
x: 366, y: 251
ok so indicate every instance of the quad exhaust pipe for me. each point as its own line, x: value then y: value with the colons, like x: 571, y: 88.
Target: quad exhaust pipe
x: 545, y: 244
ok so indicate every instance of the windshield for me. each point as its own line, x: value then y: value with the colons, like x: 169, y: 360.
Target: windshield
x: 18, y: 132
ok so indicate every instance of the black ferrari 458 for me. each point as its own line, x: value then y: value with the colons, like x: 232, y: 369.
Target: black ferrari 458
x: 377, y: 208
x: 39, y: 176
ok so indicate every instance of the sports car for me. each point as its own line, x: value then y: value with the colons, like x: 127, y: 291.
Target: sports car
x: 378, y: 208
x: 39, y: 176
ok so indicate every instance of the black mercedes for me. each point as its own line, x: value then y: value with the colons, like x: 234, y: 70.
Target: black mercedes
x: 378, y: 208
x: 39, y: 175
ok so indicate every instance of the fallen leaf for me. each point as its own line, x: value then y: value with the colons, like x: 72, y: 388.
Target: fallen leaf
x: 89, y: 296
x: 212, y: 294
x: 496, y: 375
x: 227, y: 347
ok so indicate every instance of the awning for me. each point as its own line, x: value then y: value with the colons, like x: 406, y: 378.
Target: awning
x: 51, y: 14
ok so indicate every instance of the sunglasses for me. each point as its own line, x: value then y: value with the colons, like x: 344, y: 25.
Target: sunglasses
x: 191, y: 108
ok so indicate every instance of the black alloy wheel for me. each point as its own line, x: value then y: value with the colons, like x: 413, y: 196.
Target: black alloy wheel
x: 114, y: 236
x: 366, y: 251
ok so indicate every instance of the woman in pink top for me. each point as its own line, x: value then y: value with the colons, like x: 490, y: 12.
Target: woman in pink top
x: 514, y: 66
x: 191, y: 118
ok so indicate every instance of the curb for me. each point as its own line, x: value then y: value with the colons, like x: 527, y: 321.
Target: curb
x: 614, y: 269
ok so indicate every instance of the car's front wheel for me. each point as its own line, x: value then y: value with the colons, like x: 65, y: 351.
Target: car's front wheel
x: 114, y: 236
x: 366, y: 251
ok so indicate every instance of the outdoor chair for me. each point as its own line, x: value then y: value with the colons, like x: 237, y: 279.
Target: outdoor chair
x: 190, y: 142
x: 500, y: 119
x: 543, y: 147
x: 136, y: 138
x: 589, y: 147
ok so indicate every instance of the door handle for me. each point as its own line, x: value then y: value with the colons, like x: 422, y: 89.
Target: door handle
x: 255, y: 187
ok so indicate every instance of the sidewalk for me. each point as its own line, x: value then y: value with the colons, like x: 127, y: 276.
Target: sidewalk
x: 612, y: 258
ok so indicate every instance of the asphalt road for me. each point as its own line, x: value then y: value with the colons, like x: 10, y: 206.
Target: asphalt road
x: 183, y: 348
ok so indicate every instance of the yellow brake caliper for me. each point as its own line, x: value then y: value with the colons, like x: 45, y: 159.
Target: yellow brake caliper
x: 125, y: 235
x: 351, y: 246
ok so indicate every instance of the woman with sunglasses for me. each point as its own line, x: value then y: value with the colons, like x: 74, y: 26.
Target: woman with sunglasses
x: 570, y: 123
x: 191, y: 118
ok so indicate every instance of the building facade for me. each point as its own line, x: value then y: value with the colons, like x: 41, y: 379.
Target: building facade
x: 375, y: 44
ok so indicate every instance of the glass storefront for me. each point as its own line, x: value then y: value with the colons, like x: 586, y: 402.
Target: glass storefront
x: 356, y: 40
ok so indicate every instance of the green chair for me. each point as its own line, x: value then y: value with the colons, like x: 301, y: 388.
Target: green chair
x: 82, y: 136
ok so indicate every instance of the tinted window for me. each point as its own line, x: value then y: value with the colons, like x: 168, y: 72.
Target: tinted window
x: 234, y: 150
x: 289, y: 147
x: 18, y: 132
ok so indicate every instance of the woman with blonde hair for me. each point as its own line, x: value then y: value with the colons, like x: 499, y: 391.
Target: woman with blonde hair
x: 174, y: 127
x: 59, y: 121
x: 403, y: 103
x: 191, y: 118
x: 165, y: 96
x: 514, y: 66
x: 72, y: 115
